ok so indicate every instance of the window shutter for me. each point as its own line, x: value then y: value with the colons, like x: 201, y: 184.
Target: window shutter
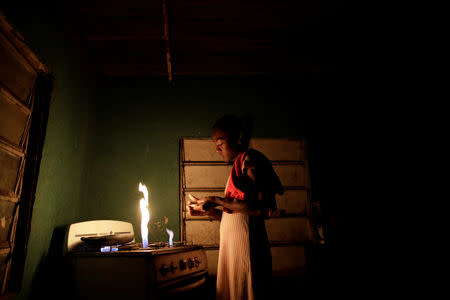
x: 19, y: 72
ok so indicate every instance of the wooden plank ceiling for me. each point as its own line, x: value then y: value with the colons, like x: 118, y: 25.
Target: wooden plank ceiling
x: 126, y: 38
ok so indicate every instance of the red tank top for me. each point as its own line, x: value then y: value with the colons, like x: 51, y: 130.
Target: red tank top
x: 232, y: 191
x: 236, y: 189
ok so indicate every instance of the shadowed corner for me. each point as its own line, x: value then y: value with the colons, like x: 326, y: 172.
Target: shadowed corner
x: 51, y: 280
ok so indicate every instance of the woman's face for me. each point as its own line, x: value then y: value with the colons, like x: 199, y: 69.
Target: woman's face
x: 225, y: 146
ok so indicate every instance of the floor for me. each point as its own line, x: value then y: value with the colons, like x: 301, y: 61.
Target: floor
x: 284, y: 287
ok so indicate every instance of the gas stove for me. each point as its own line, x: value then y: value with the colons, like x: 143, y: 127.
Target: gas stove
x: 108, y: 263
x: 160, y: 246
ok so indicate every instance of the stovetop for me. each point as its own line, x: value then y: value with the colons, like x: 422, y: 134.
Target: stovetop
x: 132, y: 249
x: 155, y: 246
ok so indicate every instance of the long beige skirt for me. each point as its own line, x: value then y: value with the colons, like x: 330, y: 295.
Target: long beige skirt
x: 234, y: 273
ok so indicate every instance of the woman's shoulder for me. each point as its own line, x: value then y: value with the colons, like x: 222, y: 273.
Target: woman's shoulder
x: 256, y: 158
x: 257, y: 161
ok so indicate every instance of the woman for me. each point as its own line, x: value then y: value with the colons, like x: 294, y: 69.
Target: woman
x: 245, y: 263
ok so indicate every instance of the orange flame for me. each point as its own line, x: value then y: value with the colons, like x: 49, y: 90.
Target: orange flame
x: 145, y: 215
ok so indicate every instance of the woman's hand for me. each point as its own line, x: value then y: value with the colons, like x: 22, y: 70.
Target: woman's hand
x: 195, y: 206
x: 200, y: 207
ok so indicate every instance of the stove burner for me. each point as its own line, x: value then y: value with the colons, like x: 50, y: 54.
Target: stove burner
x: 154, y: 246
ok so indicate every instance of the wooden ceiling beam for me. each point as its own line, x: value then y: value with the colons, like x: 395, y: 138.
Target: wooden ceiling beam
x: 162, y: 38
x: 195, y: 70
x: 117, y: 8
x: 167, y: 38
x: 123, y: 37
x: 237, y: 4
x: 119, y: 26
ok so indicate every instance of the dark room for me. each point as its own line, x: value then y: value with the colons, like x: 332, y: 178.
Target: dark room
x: 132, y: 133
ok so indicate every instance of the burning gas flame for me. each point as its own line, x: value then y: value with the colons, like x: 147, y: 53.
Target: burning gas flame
x: 170, y: 233
x: 145, y: 214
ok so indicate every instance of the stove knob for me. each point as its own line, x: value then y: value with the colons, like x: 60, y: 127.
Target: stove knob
x: 183, y: 264
x: 190, y: 263
x: 197, y: 261
x: 173, y: 267
x: 164, y: 269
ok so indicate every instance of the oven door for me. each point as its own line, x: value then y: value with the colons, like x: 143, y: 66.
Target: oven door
x: 182, y: 285
x: 114, y: 276
x: 194, y: 286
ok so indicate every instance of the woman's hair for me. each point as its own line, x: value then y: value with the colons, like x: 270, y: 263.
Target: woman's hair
x: 238, y: 128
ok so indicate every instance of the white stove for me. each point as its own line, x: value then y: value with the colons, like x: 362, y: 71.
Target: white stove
x: 107, y: 263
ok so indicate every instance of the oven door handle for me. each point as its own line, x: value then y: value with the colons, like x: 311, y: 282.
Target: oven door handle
x: 188, y: 287
x: 185, y: 284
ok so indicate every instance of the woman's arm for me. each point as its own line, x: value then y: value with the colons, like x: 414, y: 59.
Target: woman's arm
x: 256, y: 196
x: 233, y: 204
x: 207, y: 206
x: 252, y: 206
x: 215, y: 213
x: 197, y: 207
